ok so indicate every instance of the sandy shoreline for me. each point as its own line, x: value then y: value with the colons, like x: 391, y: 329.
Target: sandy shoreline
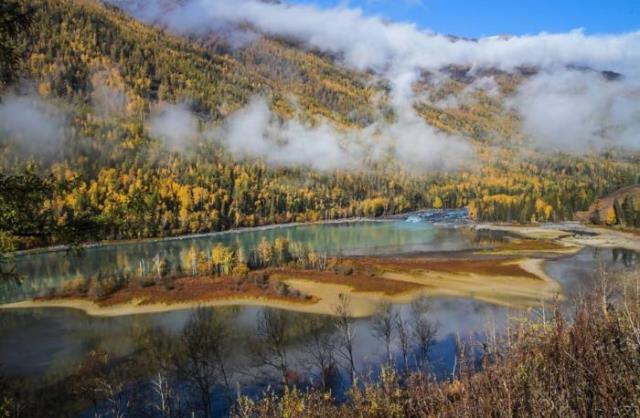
x: 93, y: 309
x: 572, y: 234
x: 510, y: 291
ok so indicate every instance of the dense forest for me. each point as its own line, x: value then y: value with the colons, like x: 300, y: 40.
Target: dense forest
x: 102, y: 73
x: 620, y: 209
x: 627, y: 212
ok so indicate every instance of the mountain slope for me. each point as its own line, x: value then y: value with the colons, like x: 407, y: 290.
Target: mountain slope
x: 72, y: 40
x: 98, y: 78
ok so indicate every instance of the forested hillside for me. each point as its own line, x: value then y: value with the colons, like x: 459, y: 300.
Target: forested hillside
x: 75, y: 45
x: 102, y: 74
x: 619, y: 208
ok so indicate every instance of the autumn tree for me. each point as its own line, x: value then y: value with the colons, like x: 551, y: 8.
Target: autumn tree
x: 611, y: 218
x: 265, y: 252
x: 205, y: 345
x: 271, y: 348
x: 345, y: 325
x: 382, y: 324
x: 423, y: 330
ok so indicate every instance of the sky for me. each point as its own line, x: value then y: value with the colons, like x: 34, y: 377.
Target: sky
x: 478, y: 18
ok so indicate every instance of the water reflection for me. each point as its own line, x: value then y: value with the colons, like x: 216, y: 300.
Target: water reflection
x: 51, y: 341
x: 576, y: 273
x: 37, y: 343
x: 48, y: 270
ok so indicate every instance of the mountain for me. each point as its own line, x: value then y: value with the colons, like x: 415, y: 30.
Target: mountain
x: 72, y: 41
x: 129, y: 123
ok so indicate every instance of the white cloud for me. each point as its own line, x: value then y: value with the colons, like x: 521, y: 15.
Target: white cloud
x: 555, y: 115
x: 371, y: 43
x: 174, y: 125
x: 106, y: 99
x: 579, y: 111
x: 254, y: 132
x: 34, y: 126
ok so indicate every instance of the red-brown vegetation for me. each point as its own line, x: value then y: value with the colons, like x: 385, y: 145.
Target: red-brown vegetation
x: 489, y: 267
x: 185, y: 290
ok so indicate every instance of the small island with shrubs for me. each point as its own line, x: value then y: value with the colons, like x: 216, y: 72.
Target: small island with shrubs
x: 292, y: 276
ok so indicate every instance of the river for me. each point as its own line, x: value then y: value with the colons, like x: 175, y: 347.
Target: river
x: 43, y: 342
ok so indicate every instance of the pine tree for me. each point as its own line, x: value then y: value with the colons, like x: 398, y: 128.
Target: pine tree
x: 619, y: 213
x: 628, y: 211
x: 14, y: 19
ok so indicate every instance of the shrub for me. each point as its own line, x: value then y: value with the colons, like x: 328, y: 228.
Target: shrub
x: 146, y: 282
x: 77, y: 286
x: 101, y: 288
x: 259, y: 278
x: 282, y: 289
x: 241, y: 270
x: 168, y: 283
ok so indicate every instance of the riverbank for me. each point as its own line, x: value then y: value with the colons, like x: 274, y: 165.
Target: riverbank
x: 571, y: 234
x: 513, y: 282
x: 108, y: 243
x: 501, y: 269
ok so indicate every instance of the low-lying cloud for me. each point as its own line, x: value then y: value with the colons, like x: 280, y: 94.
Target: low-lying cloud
x: 367, y: 42
x: 174, y: 125
x: 107, y: 100
x: 555, y: 114
x: 579, y: 111
x: 33, y: 126
x: 254, y: 132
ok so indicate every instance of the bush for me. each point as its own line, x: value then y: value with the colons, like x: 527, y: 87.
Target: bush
x: 101, y: 288
x: 343, y: 269
x: 241, y: 270
x: 146, y: 282
x: 282, y: 289
x: 259, y: 278
x: 77, y: 286
x: 168, y: 283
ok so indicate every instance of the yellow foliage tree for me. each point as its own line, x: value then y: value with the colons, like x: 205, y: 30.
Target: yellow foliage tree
x: 611, y: 218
